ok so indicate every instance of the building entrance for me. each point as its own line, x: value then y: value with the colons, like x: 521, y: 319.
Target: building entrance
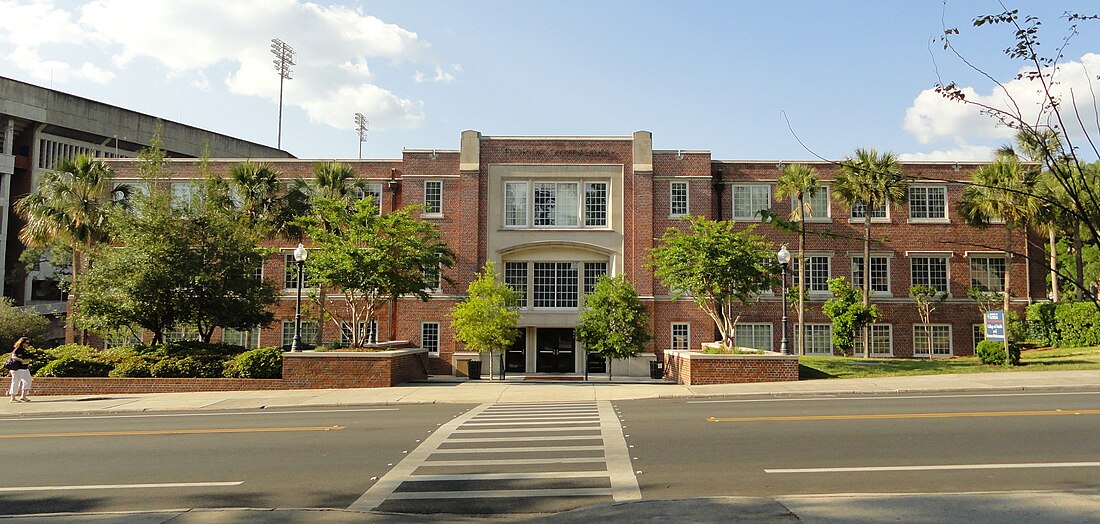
x: 515, y: 358
x: 556, y: 350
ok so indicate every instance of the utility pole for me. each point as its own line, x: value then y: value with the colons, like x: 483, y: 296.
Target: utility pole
x: 284, y: 58
x: 361, y: 124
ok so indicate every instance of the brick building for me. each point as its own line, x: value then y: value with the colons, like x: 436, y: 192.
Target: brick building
x: 555, y: 213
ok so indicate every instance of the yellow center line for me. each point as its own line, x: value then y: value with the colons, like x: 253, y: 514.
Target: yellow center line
x: 908, y: 415
x: 171, y: 432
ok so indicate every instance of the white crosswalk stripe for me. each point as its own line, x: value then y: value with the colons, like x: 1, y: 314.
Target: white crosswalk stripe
x: 510, y: 457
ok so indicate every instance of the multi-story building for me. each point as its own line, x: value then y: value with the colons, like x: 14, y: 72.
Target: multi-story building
x: 555, y: 213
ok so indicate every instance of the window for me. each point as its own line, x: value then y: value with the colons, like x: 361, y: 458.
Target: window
x: 119, y: 337
x: 429, y: 337
x: 434, y: 277
x: 515, y: 203
x: 859, y: 210
x: 755, y: 336
x: 374, y: 191
x: 595, y: 204
x: 310, y: 332
x: 880, y: 274
x: 938, y: 334
x: 928, y: 202
x: 556, y: 285
x: 515, y: 275
x: 366, y: 335
x: 817, y: 273
x: 249, y: 339
x: 290, y: 273
x: 748, y: 201
x: 817, y: 206
x: 555, y: 204
x: 181, y: 333
x: 681, y: 336
x: 678, y: 199
x: 819, y: 339
x: 184, y: 194
x: 987, y: 273
x: 881, y: 340
x: 433, y: 197
x: 978, y: 335
x: 592, y: 273
x: 929, y: 271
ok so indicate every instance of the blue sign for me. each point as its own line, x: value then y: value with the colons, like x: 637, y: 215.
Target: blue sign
x: 995, y: 325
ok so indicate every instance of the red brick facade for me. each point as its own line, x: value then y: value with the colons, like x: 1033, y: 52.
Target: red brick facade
x: 692, y: 369
x: 646, y: 175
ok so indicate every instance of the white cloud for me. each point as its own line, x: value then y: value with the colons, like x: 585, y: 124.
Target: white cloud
x: 335, y: 46
x: 961, y: 152
x: 934, y: 119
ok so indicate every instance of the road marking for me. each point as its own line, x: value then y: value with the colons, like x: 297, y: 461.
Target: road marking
x: 525, y: 430
x: 169, y: 432
x: 540, y: 416
x: 520, y: 449
x: 624, y: 484
x: 890, y: 397
x: 511, y: 476
x: 909, y: 415
x: 552, y: 438
x: 554, y: 422
x: 503, y: 493
x: 860, y: 469
x: 510, y: 462
x: 32, y: 418
x: 123, y: 486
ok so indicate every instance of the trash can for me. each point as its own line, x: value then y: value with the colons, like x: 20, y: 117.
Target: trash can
x: 656, y: 369
x: 474, y: 371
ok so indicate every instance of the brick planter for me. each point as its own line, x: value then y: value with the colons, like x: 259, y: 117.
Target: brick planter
x: 693, y: 368
x: 301, y: 370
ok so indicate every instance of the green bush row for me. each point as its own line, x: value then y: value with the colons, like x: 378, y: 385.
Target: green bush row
x: 1066, y: 324
x: 993, y: 352
x: 172, y: 360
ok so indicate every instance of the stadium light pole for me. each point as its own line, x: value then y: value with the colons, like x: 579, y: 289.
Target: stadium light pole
x: 361, y: 124
x: 284, y: 58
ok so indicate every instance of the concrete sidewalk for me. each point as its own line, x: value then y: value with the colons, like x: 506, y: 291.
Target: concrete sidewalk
x: 481, y: 391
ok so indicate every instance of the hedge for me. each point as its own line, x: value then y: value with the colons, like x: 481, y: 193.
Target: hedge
x: 1041, y: 325
x: 172, y: 360
x: 1077, y: 324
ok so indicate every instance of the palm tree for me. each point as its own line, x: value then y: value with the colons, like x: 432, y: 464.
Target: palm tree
x: 802, y: 183
x: 71, y: 207
x: 869, y: 179
x: 337, y: 181
x: 256, y: 188
x: 1001, y: 191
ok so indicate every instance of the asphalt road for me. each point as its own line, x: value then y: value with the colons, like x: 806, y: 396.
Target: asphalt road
x: 866, y: 444
x: 360, y: 457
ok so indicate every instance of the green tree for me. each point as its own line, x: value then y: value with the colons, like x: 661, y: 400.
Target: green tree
x: 926, y: 299
x: 802, y: 183
x: 1001, y: 192
x: 614, y: 323
x: 867, y: 181
x: 849, y: 314
x: 16, y: 323
x: 371, y: 258
x: 487, y: 320
x: 718, y: 267
x: 254, y: 187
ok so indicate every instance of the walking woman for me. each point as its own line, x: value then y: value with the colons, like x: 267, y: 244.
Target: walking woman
x: 20, y: 372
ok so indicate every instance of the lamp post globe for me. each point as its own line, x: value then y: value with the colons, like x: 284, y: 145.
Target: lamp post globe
x: 300, y: 255
x: 784, y: 259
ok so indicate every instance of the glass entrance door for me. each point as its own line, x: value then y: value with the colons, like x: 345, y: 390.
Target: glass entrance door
x: 556, y: 349
x: 515, y: 359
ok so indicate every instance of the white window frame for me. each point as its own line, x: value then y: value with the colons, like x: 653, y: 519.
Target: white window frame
x: 601, y: 211
x: 427, y: 204
x: 822, y: 192
x: 677, y: 209
x: 758, y: 329
x: 373, y: 189
x: 947, y: 264
x: 252, y: 342
x: 929, y: 219
x: 590, y: 270
x: 368, y: 335
x: 523, y: 301
x: 977, y: 335
x: 311, y: 333
x: 518, y: 220
x: 750, y: 188
x: 290, y: 267
x: 859, y: 284
x: 809, y: 347
x: 853, y: 219
x: 986, y: 258
x: 562, y: 294
x: 888, y: 328
x: 684, y: 336
x: 920, y: 349
x: 581, y: 213
x: 799, y: 272
x: 424, y: 337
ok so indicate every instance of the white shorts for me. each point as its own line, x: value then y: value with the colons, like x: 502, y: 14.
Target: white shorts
x: 20, y: 378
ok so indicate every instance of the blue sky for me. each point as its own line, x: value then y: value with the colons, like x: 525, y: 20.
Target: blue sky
x: 719, y: 75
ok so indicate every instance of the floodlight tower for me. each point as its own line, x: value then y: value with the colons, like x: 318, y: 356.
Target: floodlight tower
x: 361, y: 124
x: 284, y: 58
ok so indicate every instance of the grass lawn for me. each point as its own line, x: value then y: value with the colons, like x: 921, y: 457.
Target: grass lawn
x: 1052, y: 359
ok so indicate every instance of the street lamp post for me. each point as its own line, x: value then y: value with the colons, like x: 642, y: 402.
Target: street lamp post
x: 784, y: 258
x: 300, y: 255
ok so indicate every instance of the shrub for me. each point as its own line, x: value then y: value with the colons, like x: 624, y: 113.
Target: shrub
x: 993, y: 352
x: 74, y: 367
x: 15, y: 323
x: 187, y: 367
x: 1077, y: 324
x: 257, y: 363
x: 1015, y: 328
x: 135, y: 366
x: 1041, y: 325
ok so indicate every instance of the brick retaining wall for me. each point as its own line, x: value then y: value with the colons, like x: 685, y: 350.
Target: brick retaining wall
x: 692, y: 368
x: 304, y: 370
